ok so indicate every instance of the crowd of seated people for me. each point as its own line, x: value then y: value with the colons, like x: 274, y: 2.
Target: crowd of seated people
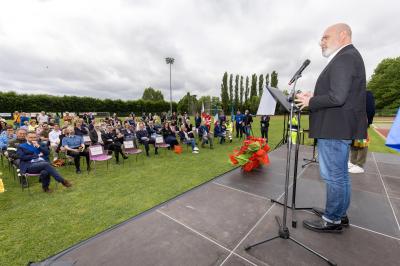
x: 48, y: 138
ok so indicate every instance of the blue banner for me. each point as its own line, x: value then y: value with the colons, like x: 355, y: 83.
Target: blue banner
x: 393, y: 138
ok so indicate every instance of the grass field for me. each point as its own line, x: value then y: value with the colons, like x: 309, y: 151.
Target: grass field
x: 37, y: 226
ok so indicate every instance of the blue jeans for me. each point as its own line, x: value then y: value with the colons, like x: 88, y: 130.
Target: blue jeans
x: 192, y: 143
x: 333, y: 155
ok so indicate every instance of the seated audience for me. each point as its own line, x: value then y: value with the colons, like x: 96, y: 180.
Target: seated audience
x: 44, y: 133
x: 6, y: 136
x: 26, y: 125
x: 16, y: 119
x: 80, y: 128
x: 54, y: 138
x: 96, y: 134
x: 33, y: 125
x: 24, y: 117
x: 205, y: 135
x: 222, y: 132
x: 187, y: 137
x: 144, y: 138
x: 75, y: 148
x: 67, y: 118
x: 113, y: 142
x: 3, y: 125
x: 32, y: 162
x: 168, y: 133
x: 42, y: 118
x: 11, y: 152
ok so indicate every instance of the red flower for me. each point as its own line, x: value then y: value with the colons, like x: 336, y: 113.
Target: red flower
x: 233, y: 159
x: 261, y: 152
x: 266, y: 148
x: 248, y: 166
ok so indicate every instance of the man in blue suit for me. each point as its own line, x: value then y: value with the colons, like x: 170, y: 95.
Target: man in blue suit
x: 31, y: 161
x: 337, y: 116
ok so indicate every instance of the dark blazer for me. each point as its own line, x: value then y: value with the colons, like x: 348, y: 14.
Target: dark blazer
x: 94, y: 138
x: 337, y: 110
x: 25, y: 156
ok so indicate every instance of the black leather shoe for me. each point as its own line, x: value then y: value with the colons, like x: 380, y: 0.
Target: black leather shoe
x: 344, y: 221
x: 78, y: 171
x: 322, y: 226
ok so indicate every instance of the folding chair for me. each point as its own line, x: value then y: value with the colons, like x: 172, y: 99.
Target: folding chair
x: 160, y: 143
x: 129, y: 148
x: 98, y: 154
x: 26, y: 176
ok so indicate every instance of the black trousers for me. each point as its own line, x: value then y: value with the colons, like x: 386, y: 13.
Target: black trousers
x: 146, y: 145
x: 116, y: 147
x: 77, y: 158
x: 239, y: 130
x: 264, y: 133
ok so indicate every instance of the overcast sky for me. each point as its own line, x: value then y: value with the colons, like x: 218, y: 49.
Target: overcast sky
x: 114, y: 49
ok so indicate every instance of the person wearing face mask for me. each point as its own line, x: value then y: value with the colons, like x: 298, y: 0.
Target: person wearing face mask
x: 32, y: 162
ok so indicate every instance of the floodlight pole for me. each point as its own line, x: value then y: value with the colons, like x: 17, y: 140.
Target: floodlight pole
x: 170, y: 61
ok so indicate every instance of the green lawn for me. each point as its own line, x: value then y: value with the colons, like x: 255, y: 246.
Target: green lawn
x: 35, y: 227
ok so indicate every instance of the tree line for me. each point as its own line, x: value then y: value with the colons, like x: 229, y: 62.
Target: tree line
x: 11, y: 101
x: 244, y: 95
x: 237, y: 93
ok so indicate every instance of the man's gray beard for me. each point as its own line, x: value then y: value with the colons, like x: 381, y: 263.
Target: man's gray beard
x: 327, y: 52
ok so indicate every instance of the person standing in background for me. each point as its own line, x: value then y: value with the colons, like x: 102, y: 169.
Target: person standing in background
x: 359, y: 149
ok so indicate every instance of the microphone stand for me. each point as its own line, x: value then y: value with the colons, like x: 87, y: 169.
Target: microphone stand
x: 314, y: 156
x: 283, y: 228
x: 284, y: 134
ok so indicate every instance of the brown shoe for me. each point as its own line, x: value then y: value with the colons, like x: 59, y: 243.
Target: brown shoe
x: 47, y: 190
x: 66, y: 183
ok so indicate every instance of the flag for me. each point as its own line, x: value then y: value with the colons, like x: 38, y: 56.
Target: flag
x: 203, y: 113
x: 393, y: 138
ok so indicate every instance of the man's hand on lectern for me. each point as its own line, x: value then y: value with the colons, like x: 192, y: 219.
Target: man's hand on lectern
x: 303, y: 99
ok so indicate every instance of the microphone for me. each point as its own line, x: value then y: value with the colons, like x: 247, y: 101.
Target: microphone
x: 298, y: 73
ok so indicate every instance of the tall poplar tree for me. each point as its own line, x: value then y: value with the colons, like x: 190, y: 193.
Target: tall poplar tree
x: 260, y: 85
x: 267, y: 80
x: 230, y: 89
x: 224, y: 92
x: 253, y: 90
x: 246, y: 94
x: 236, y: 106
x: 241, y: 91
x: 274, y: 79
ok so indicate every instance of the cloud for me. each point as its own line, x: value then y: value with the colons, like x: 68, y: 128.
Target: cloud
x: 114, y: 49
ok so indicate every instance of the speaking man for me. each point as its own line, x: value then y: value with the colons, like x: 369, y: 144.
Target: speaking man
x: 337, y: 116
